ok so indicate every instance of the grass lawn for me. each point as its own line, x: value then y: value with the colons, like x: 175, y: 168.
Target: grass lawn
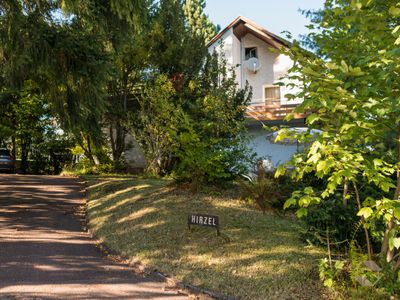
x: 256, y: 257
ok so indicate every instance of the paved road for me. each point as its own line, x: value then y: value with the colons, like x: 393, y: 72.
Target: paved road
x: 44, y: 254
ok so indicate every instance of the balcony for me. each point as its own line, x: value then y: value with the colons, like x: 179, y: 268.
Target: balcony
x: 270, y: 111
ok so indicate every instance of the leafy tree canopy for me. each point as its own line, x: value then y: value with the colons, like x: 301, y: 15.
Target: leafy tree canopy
x: 350, y: 90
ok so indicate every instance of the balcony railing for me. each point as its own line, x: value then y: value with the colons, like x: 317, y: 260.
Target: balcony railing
x: 270, y: 111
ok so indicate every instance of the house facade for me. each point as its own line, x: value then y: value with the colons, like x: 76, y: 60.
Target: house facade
x: 254, y: 54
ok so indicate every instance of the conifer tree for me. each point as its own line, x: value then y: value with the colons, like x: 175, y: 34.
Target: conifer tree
x: 198, y: 22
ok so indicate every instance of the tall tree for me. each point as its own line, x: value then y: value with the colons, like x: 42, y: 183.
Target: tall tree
x: 173, y: 49
x: 67, y: 62
x: 121, y: 24
x: 70, y: 49
x: 198, y: 21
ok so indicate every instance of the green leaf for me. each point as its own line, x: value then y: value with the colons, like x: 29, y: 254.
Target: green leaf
x: 310, y: 71
x: 314, y: 158
x: 328, y: 282
x: 378, y: 162
x: 345, y: 67
x: 386, y: 186
x: 332, y: 66
x: 339, y: 265
x: 302, y: 212
x: 396, y: 213
x: 289, y: 202
x: 396, y: 242
x: 281, y: 170
x: 356, y: 71
x: 365, y: 212
x: 394, y: 11
x: 356, y: 4
x: 322, y: 166
x: 289, y: 117
x: 312, y: 118
x: 325, y: 194
x: 309, y: 190
x: 346, y: 127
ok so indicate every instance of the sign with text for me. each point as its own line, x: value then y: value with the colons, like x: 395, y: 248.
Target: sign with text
x: 204, y: 220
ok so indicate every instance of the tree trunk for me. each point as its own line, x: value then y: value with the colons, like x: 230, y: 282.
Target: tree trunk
x: 87, y: 150
x: 14, y: 147
x: 25, y: 141
x: 112, y: 140
x: 117, y: 139
x: 385, y: 251
x: 369, y: 248
x: 345, y: 191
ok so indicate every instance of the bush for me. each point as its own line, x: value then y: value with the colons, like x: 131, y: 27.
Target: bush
x: 207, y: 161
x: 341, y: 222
x: 356, y: 279
x: 85, y: 167
x: 264, y: 191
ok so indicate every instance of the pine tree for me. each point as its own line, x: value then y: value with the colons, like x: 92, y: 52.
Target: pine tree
x: 198, y: 21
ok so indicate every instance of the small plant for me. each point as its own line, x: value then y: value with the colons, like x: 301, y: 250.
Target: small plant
x: 264, y: 191
x: 329, y: 272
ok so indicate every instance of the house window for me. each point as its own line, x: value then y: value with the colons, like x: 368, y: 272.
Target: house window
x: 272, y: 95
x: 250, y: 52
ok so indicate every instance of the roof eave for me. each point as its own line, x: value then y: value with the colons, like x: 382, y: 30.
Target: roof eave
x: 263, y: 34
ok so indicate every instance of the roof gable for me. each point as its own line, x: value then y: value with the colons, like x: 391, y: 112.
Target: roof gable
x: 242, y: 26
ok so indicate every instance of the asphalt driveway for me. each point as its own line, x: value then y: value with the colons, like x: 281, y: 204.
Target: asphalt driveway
x: 45, y: 254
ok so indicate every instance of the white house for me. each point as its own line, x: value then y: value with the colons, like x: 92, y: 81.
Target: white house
x: 254, y: 54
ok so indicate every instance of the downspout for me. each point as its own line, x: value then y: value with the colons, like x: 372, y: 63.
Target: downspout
x: 242, y: 83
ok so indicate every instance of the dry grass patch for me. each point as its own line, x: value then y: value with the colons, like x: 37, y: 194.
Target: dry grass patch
x: 256, y: 257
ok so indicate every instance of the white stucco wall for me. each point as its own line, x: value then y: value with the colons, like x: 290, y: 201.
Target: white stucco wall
x: 263, y: 148
x: 282, y: 64
x: 265, y: 76
x: 229, y: 46
x: 274, y: 66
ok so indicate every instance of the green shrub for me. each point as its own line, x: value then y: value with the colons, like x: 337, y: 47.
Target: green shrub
x: 341, y: 222
x: 264, y: 191
x: 207, y: 161
x: 351, y: 278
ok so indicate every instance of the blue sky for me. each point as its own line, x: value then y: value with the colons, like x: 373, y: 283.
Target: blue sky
x: 274, y: 15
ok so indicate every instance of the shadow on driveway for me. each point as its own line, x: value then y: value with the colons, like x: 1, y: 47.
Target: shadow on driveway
x: 45, y: 254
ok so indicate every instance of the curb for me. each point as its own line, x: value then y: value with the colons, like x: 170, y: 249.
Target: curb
x: 172, y: 283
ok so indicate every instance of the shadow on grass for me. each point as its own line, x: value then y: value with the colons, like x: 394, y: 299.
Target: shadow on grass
x: 256, y: 257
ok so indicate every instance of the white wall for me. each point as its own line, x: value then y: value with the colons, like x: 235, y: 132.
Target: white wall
x: 274, y: 66
x: 278, y: 153
x: 265, y: 76
x: 229, y: 45
x: 282, y: 64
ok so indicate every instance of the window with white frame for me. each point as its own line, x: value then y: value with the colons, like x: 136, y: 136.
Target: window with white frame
x: 272, y: 94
